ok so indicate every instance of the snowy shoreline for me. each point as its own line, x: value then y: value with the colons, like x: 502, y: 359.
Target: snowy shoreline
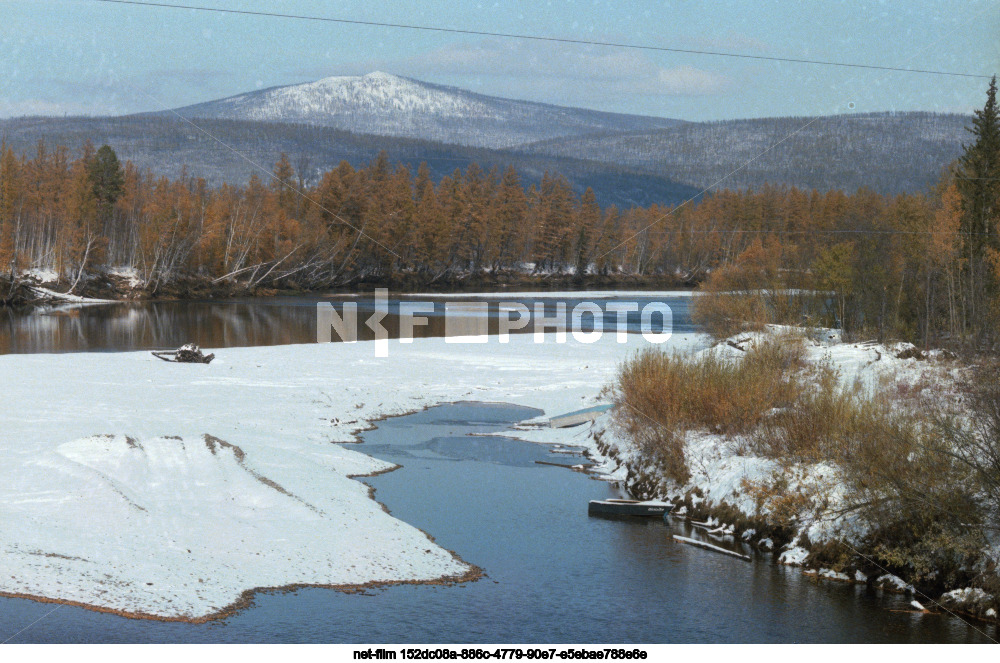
x: 40, y: 288
x: 176, y: 492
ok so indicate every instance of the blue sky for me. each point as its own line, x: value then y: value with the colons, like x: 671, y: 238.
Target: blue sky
x: 84, y: 57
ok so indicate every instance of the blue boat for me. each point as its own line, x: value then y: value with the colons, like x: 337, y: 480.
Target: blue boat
x: 579, y: 416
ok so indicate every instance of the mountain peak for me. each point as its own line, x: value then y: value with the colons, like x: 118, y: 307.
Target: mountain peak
x: 382, y: 76
x: 371, y: 77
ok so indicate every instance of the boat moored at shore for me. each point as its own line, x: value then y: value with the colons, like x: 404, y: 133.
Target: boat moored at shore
x: 621, y: 507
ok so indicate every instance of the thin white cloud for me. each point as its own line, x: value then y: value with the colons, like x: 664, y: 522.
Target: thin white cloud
x: 687, y: 80
x: 30, y: 107
x: 547, y: 72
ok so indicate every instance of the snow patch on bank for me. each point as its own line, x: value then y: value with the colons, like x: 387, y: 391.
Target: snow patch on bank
x: 41, y: 275
x: 168, y: 490
x: 129, y: 275
x: 794, y: 556
x: 970, y: 600
x: 47, y: 295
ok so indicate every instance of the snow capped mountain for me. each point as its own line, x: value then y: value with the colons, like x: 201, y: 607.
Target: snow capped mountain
x: 375, y: 93
x: 389, y: 105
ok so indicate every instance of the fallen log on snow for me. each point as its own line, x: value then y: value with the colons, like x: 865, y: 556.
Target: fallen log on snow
x: 709, y: 546
x: 188, y: 353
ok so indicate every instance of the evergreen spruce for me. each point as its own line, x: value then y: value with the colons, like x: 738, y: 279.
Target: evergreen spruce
x: 107, y: 179
x: 978, y: 183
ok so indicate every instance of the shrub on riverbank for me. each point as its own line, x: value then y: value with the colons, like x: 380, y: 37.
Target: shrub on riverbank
x: 682, y: 391
x: 749, y: 293
x: 975, y: 441
x: 894, y: 475
x: 661, y: 396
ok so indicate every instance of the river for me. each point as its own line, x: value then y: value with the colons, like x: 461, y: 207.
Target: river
x: 255, y: 321
x: 553, y: 574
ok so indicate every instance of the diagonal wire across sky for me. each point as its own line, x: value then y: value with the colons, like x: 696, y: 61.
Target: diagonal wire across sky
x: 543, y: 38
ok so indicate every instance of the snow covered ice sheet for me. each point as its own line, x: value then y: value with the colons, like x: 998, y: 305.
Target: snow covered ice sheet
x: 169, y: 490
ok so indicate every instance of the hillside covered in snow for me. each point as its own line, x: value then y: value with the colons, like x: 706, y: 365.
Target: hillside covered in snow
x: 388, y: 105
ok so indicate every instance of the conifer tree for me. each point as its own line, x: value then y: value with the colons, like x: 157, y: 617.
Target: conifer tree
x: 426, y: 214
x: 283, y: 183
x: 978, y: 183
x: 588, y: 220
x: 511, y: 212
x: 107, y: 179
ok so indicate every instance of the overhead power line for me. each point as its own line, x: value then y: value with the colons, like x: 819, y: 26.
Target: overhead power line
x: 541, y: 38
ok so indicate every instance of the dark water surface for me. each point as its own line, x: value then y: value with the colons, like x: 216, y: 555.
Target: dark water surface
x: 552, y: 573
x: 256, y: 321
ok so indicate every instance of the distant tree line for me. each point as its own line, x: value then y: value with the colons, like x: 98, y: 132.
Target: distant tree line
x: 924, y: 268
x: 886, y: 152
x: 377, y: 223
x: 173, y: 148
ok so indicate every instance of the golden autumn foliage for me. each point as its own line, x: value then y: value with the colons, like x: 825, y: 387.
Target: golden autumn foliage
x: 871, y: 264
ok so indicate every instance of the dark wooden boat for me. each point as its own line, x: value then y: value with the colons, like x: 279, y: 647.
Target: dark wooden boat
x: 615, y: 507
x: 186, y: 354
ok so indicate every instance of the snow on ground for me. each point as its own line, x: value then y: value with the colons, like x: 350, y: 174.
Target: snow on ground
x: 145, y: 487
x: 970, y: 600
x: 49, y: 276
x: 128, y: 274
x: 53, y: 296
x: 829, y: 574
x: 794, y: 556
x: 41, y: 275
x: 168, y: 490
x: 894, y: 583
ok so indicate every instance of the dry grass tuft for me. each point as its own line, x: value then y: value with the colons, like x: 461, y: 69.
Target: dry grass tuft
x: 662, y: 396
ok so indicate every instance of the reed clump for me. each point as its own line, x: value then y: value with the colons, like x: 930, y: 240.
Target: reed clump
x: 924, y: 480
x: 661, y: 395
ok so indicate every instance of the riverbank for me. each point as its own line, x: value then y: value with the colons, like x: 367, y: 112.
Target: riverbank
x: 143, y: 488
x: 764, y: 478
x: 44, y: 287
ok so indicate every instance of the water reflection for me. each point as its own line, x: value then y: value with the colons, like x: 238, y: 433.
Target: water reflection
x: 256, y: 321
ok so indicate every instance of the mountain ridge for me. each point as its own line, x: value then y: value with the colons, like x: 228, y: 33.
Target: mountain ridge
x: 171, y: 147
x: 386, y: 104
x: 890, y: 152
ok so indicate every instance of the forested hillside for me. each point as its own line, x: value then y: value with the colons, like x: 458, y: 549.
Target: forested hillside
x: 887, y: 152
x: 228, y: 151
